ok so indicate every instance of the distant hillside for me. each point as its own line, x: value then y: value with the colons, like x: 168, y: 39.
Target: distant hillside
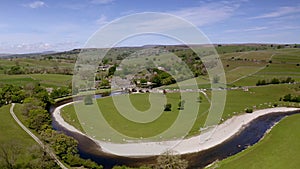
x: 122, y: 52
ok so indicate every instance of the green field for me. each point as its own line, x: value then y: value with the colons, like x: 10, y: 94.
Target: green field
x: 284, y: 64
x: 13, y: 135
x: 246, y: 68
x: 47, y: 80
x: 140, y: 102
x: 236, y: 102
x: 35, y: 63
x: 279, y: 149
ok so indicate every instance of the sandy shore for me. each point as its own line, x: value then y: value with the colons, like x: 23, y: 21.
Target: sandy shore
x: 207, y: 139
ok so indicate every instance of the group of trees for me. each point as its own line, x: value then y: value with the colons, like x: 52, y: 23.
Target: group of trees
x: 290, y: 98
x: 10, y: 93
x: 11, y: 156
x: 161, y: 78
x: 167, y: 160
x: 60, y: 92
x: 17, y: 69
x: 274, y: 81
x: 36, y: 101
x: 65, y: 148
x: 39, y: 119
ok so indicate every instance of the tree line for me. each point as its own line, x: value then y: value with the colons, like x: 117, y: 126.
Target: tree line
x: 274, y: 81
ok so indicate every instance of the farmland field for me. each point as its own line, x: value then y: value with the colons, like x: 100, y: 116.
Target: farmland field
x: 47, y: 80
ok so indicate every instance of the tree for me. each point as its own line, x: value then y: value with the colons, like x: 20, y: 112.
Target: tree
x: 181, y: 105
x: 287, y: 98
x: 15, y: 70
x: 248, y: 110
x: 112, y: 70
x: 41, y: 159
x: 199, y: 99
x: 170, y: 160
x: 64, y: 146
x: 88, y: 100
x: 38, y: 118
x: 60, y: 92
x: 216, y: 79
x: 11, y: 93
x: 275, y: 81
x: 31, y: 103
x: 104, y: 83
x: 258, y: 83
x: 168, y: 107
x: 9, y: 153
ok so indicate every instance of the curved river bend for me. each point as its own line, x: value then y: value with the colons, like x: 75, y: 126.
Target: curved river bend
x: 250, y: 135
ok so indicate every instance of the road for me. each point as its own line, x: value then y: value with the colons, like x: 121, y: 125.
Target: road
x: 58, y: 162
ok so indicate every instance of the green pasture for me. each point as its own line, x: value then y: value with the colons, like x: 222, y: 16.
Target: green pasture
x: 236, y: 103
x: 47, y: 80
x: 140, y: 101
x: 279, y: 149
x: 11, y: 134
x: 257, y: 98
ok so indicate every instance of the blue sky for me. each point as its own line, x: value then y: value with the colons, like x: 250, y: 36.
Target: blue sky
x: 33, y: 26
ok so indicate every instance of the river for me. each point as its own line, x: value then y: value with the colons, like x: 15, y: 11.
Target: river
x: 250, y: 135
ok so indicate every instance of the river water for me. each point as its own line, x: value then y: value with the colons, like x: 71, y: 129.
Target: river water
x: 250, y: 135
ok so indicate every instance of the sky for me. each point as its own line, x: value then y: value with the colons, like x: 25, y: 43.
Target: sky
x: 56, y: 25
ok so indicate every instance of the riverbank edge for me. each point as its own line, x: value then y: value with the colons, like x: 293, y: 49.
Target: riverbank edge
x: 204, y: 141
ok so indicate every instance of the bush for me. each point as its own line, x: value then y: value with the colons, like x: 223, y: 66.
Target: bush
x: 199, y: 99
x: 287, y: 98
x: 290, y: 98
x: 168, y: 107
x: 88, y: 100
x: 249, y: 110
x: 181, y: 105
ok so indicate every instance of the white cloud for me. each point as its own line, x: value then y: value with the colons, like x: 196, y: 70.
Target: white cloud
x: 101, y: 1
x: 207, y: 13
x: 161, y: 24
x: 37, y: 47
x: 282, y: 11
x: 247, y: 29
x: 36, y: 4
x: 203, y: 15
x: 256, y: 29
x: 102, y: 20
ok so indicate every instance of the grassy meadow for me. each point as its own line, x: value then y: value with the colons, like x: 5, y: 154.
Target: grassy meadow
x: 46, y: 80
x: 141, y: 103
x: 236, y: 103
x: 12, y: 135
x: 279, y: 149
